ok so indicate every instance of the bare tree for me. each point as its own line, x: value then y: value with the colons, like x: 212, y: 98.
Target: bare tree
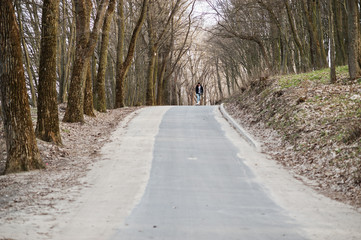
x: 85, y: 44
x: 123, y: 66
x: 100, y: 96
x: 157, y: 15
x: 23, y: 153
x: 354, y: 68
x: 47, y: 127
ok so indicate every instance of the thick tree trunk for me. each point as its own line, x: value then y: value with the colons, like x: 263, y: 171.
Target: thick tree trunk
x: 353, y: 66
x: 85, y: 44
x: 22, y: 150
x: 47, y: 127
x: 340, y: 32
x: 100, y: 95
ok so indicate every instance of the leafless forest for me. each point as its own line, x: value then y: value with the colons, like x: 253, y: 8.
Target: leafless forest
x: 106, y: 54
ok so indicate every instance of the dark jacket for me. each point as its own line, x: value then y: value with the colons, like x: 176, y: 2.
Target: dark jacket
x: 199, y: 90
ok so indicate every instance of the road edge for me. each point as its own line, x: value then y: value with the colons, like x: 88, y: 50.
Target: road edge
x: 244, y: 134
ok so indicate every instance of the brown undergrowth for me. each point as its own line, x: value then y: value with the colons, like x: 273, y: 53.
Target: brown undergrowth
x: 310, y: 126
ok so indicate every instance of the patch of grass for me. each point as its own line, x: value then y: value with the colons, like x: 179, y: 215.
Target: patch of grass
x: 65, y: 130
x: 318, y: 77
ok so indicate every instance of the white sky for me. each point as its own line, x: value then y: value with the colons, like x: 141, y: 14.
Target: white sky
x: 202, y: 7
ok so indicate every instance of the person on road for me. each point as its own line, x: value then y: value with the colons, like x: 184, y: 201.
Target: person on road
x: 199, y: 92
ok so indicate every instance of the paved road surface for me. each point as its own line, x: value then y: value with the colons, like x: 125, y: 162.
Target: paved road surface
x: 200, y: 189
x: 182, y: 173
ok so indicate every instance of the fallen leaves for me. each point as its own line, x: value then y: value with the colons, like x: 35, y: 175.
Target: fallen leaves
x: 318, y: 137
x: 37, y: 192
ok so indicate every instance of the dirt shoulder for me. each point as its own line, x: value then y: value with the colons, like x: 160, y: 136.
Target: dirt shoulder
x: 310, y: 127
x: 24, y: 197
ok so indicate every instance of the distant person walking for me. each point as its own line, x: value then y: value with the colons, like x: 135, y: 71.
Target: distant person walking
x: 199, y: 92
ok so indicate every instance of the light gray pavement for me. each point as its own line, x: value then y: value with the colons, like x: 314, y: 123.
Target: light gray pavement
x: 199, y: 188
x: 184, y: 173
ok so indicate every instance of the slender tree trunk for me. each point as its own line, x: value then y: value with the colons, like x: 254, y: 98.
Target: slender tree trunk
x: 109, y: 82
x: 22, y: 150
x: 100, y: 95
x: 120, y: 76
x: 227, y: 80
x: 150, y: 83
x: 161, y: 90
x: 332, y: 44
x: 295, y: 35
x: 27, y: 58
x: 88, y: 91
x: 69, y: 59
x: 219, y: 79
x: 47, y: 127
x: 155, y: 78
x: 62, y: 54
x: 123, y: 67
x: 316, y: 44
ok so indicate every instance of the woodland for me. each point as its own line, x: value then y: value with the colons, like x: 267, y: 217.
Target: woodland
x: 91, y: 56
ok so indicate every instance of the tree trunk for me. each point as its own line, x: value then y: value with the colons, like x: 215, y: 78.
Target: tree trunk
x: 332, y: 44
x: 295, y: 35
x: 119, y: 76
x: 150, y: 82
x: 27, y: 58
x: 62, y: 54
x: 219, y: 79
x: 123, y: 67
x: 47, y: 127
x: 353, y: 66
x: 85, y: 44
x: 100, y: 95
x: 69, y: 59
x: 316, y: 45
x: 110, y: 86
x: 88, y: 91
x: 340, y: 32
x: 161, y: 81
x: 22, y: 150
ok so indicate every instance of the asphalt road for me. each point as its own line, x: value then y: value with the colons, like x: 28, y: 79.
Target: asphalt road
x: 200, y: 188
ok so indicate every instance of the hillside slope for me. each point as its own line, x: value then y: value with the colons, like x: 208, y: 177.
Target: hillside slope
x: 310, y: 126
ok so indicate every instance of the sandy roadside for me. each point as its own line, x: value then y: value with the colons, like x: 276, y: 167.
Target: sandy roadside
x: 105, y: 196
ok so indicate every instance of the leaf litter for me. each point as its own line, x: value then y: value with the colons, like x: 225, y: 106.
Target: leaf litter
x: 36, y: 193
x: 313, y: 129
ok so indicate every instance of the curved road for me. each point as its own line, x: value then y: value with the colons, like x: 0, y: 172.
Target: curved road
x: 182, y: 173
